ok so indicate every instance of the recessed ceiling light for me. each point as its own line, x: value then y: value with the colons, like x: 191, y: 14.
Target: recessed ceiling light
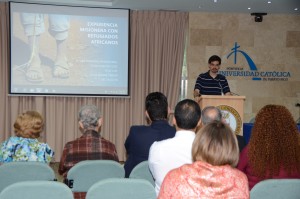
x: 296, y: 9
x: 215, y: 1
x: 269, y: 2
x: 249, y: 8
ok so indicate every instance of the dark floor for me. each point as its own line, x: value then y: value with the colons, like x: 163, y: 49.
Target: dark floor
x: 54, y: 166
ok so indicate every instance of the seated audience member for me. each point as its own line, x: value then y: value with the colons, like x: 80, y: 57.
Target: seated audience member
x: 90, y: 146
x: 211, y: 113
x: 213, y: 174
x: 24, y: 146
x: 174, y: 152
x: 141, y: 137
x: 273, y: 151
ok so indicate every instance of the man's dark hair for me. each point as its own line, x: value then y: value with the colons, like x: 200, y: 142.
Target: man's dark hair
x: 157, y: 106
x: 187, y: 114
x: 214, y: 58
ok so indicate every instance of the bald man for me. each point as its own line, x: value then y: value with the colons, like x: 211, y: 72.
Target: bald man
x: 211, y: 113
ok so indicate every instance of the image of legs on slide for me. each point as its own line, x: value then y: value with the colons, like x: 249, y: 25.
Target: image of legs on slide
x: 58, y: 28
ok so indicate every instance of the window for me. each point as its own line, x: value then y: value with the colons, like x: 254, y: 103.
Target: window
x: 184, y: 78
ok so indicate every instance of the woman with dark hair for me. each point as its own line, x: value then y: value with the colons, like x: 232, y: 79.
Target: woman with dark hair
x: 213, y: 174
x: 273, y: 151
x: 24, y: 146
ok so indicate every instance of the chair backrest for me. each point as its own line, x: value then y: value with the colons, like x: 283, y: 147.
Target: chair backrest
x: 37, y: 190
x: 85, y: 173
x: 252, y: 120
x: 13, y: 172
x: 125, y: 188
x: 142, y: 171
x: 276, y: 189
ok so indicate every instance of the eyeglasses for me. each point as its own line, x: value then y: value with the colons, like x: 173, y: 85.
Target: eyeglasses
x: 215, y: 65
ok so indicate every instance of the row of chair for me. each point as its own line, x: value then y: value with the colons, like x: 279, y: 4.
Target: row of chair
x: 80, y: 178
x: 112, y: 188
x: 267, y: 189
x: 105, y: 177
x: 115, y: 188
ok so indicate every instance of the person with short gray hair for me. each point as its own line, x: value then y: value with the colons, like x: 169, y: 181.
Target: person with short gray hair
x: 209, y: 114
x: 91, y: 145
x: 212, y: 113
x: 89, y: 117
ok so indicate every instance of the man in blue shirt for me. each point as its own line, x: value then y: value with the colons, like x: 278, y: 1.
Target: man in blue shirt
x: 211, y: 83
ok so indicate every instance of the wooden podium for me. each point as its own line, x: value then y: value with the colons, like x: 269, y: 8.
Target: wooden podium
x: 232, y: 108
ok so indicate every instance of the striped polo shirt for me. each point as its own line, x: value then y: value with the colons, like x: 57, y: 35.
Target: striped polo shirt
x: 212, y: 86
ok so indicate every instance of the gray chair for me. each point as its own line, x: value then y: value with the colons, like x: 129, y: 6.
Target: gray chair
x: 142, y: 171
x: 125, y: 188
x: 86, y: 173
x: 276, y: 189
x: 24, y: 171
x: 252, y: 120
x: 37, y: 190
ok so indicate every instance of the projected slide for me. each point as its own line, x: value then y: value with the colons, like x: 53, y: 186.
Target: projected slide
x: 62, y: 50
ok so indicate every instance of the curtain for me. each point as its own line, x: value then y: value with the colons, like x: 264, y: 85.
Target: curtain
x: 156, y: 54
x: 157, y: 47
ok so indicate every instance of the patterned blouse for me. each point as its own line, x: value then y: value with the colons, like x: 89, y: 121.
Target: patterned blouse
x: 25, y: 149
x: 202, y: 180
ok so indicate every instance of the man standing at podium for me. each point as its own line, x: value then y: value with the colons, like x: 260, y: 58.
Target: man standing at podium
x: 211, y: 83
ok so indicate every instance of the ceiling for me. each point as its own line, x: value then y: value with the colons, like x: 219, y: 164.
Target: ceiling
x: 233, y: 6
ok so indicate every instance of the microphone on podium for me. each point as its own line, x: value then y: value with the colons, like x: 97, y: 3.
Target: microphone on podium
x: 222, y: 93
